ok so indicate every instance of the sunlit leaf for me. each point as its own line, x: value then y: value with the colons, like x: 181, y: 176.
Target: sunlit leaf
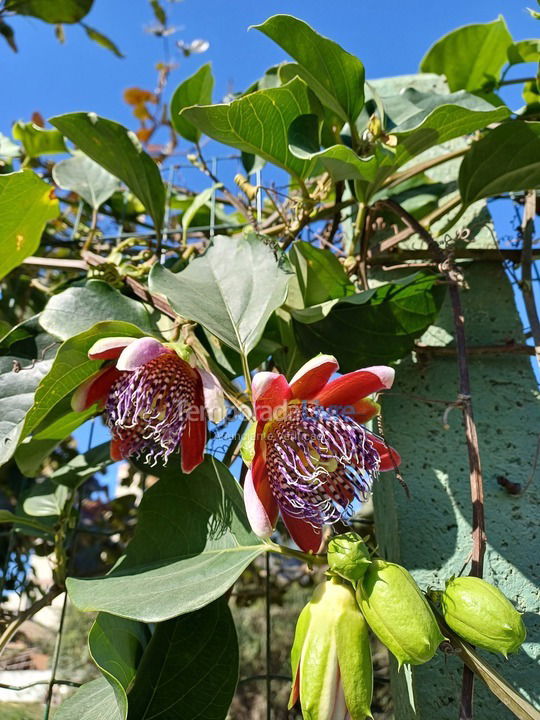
x: 470, y: 57
x: 239, y: 123
x: 195, y: 90
x: 336, y: 76
x: 38, y: 141
x: 79, y: 308
x: 26, y: 204
x: 320, y: 274
x: 85, y: 177
x: 119, y: 151
x: 94, y: 700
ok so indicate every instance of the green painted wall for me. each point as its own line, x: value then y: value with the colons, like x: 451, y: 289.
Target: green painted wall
x: 430, y: 532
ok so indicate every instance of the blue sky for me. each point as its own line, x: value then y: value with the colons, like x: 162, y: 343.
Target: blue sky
x: 389, y: 38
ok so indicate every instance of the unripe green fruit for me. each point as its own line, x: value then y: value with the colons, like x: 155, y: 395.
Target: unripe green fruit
x: 480, y: 614
x: 398, y: 613
x: 348, y: 556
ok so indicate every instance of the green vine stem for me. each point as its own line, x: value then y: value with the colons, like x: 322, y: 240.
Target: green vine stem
x: 309, y: 558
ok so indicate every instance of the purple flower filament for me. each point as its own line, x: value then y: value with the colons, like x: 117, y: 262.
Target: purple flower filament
x: 147, y: 409
x: 319, y: 461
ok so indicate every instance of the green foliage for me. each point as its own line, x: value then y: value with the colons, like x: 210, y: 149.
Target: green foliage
x: 57, y: 11
x: 320, y: 275
x: 235, y: 306
x: 159, y: 673
x: 374, y: 326
x: 26, y: 204
x: 25, y: 360
x: 119, y: 151
x: 195, y: 90
x: 333, y: 74
x: 38, y: 141
x: 192, y: 542
x: 238, y: 123
x: 80, y: 307
x: 208, y: 677
x: 505, y: 160
x: 471, y: 57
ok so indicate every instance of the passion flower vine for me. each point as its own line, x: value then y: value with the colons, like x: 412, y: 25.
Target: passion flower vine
x: 154, y: 401
x: 312, y: 456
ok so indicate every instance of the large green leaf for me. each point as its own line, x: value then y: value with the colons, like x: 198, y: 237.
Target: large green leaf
x: 257, y: 123
x: 470, y: 57
x: 116, y: 646
x: 95, y: 700
x: 336, y: 76
x: 195, y: 90
x: 192, y: 542
x: 189, y: 669
x: 26, y: 203
x: 52, y: 11
x: 78, y: 308
x: 375, y: 326
x: 507, y: 159
x: 119, y: 151
x: 82, y: 175
x: 231, y: 290
x: 38, y: 141
x: 26, y: 357
x: 71, y: 367
x: 320, y: 274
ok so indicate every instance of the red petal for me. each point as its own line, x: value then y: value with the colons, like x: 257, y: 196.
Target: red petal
x: 109, y: 348
x: 193, y: 441
x: 94, y: 390
x: 304, y: 535
x: 261, y: 507
x: 271, y: 394
x: 313, y: 376
x: 115, y: 450
x: 390, y: 458
x: 347, y: 389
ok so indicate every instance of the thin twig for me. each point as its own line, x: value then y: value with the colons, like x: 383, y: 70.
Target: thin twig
x: 13, y: 626
x: 526, y: 286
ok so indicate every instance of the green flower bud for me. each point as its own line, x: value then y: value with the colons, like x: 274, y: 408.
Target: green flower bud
x: 331, y: 658
x: 398, y: 613
x: 348, y: 556
x: 480, y: 614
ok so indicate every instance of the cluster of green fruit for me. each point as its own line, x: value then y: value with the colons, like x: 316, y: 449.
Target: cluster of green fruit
x: 331, y: 658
